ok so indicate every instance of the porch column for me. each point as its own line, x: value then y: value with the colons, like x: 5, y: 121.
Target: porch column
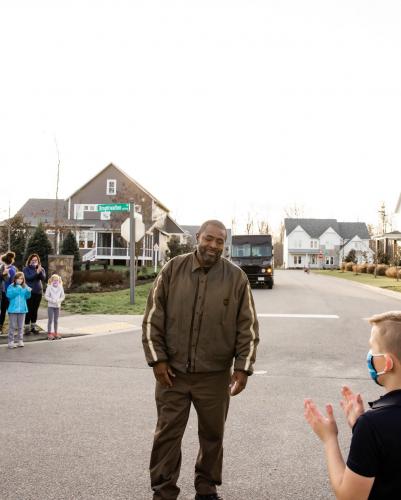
x: 111, y: 249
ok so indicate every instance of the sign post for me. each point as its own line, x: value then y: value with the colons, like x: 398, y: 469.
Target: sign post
x: 132, y: 252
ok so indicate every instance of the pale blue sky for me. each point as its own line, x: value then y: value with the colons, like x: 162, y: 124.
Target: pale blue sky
x: 219, y: 108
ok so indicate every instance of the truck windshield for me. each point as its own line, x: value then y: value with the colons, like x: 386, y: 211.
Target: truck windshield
x: 248, y: 250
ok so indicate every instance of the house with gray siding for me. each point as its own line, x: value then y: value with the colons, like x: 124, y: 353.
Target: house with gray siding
x: 98, y: 233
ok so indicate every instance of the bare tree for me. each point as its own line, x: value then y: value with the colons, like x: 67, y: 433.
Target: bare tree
x: 249, y: 224
x: 294, y: 211
x: 233, y: 225
x: 383, y: 218
x: 263, y: 226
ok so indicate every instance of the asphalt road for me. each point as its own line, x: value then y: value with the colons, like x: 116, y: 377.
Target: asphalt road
x: 77, y: 416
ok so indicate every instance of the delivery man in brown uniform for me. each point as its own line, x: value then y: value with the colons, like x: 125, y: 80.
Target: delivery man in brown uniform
x: 200, y: 317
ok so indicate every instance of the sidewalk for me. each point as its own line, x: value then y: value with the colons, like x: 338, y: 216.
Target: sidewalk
x: 74, y: 325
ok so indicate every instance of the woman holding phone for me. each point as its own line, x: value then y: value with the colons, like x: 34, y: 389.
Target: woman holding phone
x: 34, y: 276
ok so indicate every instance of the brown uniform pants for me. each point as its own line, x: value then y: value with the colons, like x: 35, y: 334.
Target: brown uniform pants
x: 209, y: 393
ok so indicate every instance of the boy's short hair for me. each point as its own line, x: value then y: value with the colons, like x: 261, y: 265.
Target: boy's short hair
x: 389, y: 324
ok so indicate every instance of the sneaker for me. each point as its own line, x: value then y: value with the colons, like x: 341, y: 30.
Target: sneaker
x: 27, y: 330
x: 50, y: 336
x: 11, y: 345
x: 212, y: 496
x: 35, y: 329
x: 20, y: 343
x: 57, y: 336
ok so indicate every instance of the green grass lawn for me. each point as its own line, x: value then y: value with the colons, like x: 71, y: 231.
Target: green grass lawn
x: 366, y: 279
x: 108, y: 302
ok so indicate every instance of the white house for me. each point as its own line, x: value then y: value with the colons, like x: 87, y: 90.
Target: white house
x: 324, y: 242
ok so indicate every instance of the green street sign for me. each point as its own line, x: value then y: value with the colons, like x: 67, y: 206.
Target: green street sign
x: 113, y: 207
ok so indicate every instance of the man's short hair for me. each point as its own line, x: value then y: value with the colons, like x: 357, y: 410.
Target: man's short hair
x: 217, y: 223
x: 389, y: 331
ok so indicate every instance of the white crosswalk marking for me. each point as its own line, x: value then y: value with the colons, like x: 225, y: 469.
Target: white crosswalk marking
x: 323, y: 316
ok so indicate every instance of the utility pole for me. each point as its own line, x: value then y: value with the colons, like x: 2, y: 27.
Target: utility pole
x: 383, y: 218
x: 56, y: 228
x: 132, y: 251
x: 9, y: 227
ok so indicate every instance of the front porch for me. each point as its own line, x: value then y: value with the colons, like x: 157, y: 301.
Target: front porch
x: 111, y: 246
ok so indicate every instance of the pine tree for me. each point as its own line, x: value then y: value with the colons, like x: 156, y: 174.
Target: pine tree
x: 39, y: 243
x: 70, y: 247
x: 351, y: 257
x: 17, y: 230
x: 176, y: 248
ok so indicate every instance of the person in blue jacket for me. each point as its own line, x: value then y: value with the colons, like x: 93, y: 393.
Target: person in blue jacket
x: 35, y: 275
x: 17, y: 293
x: 7, y: 273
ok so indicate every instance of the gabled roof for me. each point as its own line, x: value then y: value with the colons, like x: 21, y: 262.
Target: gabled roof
x: 37, y: 210
x: 350, y: 229
x: 192, y: 230
x: 171, y: 225
x: 316, y: 227
x: 128, y: 177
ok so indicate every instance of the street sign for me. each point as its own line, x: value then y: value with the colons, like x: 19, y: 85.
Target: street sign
x: 139, y: 228
x: 113, y: 207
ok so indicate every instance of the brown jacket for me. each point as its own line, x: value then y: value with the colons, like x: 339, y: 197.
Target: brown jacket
x: 198, y: 321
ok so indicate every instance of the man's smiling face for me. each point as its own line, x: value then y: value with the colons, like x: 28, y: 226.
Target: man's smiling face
x: 211, y: 244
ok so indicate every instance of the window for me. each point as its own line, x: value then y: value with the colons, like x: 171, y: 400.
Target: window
x: 313, y: 259
x: 111, y: 186
x: 314, y: 243
x: 329, y: 261
x: 297, y: 259
x: 78, y: 212
x: 247, y: 250
x: 90, y: 208
x: 86, y: 239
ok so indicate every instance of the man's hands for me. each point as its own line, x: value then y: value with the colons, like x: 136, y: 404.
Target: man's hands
x: 324, y: 426
x: 238, y: 382
x: 352, y: 404
x: 162, y: 373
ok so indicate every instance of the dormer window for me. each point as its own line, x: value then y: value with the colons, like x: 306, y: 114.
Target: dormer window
x: 111, y: 186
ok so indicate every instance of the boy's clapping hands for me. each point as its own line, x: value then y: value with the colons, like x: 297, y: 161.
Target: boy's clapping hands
x: 352, y: 405
x: 325, y: 426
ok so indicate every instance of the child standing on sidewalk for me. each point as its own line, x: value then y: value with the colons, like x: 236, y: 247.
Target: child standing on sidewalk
x: 54, y: 295
x: 17, y: 293
x: 373, y: 466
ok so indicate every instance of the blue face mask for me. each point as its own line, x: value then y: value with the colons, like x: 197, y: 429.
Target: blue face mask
x: 372, y: 370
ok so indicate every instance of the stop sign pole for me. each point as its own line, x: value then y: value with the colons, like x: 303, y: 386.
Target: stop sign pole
x: 132, y: 252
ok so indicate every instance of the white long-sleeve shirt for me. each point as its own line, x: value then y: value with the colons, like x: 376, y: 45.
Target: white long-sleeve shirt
x: 54, y: 295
